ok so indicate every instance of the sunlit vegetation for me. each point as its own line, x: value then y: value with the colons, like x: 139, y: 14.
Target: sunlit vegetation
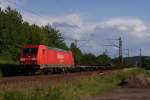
x: 72, y: 90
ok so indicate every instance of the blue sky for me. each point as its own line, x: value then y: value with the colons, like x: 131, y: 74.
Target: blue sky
x: 93, y: 20
x: 95, y: 9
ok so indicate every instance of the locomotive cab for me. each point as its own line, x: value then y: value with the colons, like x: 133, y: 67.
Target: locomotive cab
x: 29, y: 56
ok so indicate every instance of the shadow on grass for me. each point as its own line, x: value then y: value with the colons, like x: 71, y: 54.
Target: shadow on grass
x: 10, y: 70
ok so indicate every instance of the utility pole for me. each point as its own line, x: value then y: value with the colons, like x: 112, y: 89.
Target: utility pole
x: 140, y: 52
x: 128, y: 55
x: 119, y: 46
x: 105, y: 52
x: 128, y: 52
x: 140, y: 62
x: 120, y: 50
x: 75, y: 42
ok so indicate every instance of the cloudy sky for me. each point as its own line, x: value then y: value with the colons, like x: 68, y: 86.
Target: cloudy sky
x: 98, y: 22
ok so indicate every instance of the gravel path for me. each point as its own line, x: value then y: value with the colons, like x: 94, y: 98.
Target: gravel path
x: 124, y: 94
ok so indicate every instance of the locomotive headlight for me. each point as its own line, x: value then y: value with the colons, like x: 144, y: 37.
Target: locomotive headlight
x: 22, y: 59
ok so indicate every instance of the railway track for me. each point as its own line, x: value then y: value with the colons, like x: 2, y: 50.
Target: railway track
x: 31, y: 81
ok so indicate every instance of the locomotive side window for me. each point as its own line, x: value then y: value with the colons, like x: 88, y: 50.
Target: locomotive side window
x: 30, y: 50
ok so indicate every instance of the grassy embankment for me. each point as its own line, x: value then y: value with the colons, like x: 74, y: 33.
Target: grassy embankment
x: 72, y: 90
x: 8, y: 67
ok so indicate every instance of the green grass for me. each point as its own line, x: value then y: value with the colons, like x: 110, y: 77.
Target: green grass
x: 7, y: 59
x: 74, y: 90
x: 8, y: 67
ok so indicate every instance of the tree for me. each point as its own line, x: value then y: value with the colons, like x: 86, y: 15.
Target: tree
x: 11, y: 34
x: 103, y: 60
x: 89, y: 59
x: 77, y: 53
x: 145, y: 63
x: 53, y: 38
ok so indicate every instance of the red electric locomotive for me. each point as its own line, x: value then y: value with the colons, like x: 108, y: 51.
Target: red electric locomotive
x: 35, y: 57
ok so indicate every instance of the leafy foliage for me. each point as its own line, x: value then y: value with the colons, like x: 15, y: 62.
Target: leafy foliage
x: 145, y: 63
x: 103, y: 60
x: 77, y: 53
x: 89, y: 59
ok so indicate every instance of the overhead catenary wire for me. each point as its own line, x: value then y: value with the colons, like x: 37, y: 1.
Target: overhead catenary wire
x: 119, y: 46
x: 75, y: 41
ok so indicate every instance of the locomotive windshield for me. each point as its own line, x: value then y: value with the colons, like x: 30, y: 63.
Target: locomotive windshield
x: 30, y: 51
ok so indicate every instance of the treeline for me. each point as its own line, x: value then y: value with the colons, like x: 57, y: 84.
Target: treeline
x: 145, y: 62
x: 15, y: 32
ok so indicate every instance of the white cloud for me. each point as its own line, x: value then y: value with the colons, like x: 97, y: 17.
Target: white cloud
x: 72, y: 25
x: 132, y: 26
x: 5, y: 3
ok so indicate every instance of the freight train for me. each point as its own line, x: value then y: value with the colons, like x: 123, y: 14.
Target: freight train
x: 44, y: 59
x: 41, y: 57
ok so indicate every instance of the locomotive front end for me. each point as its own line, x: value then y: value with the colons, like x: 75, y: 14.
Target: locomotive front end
x: 28, y: 58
